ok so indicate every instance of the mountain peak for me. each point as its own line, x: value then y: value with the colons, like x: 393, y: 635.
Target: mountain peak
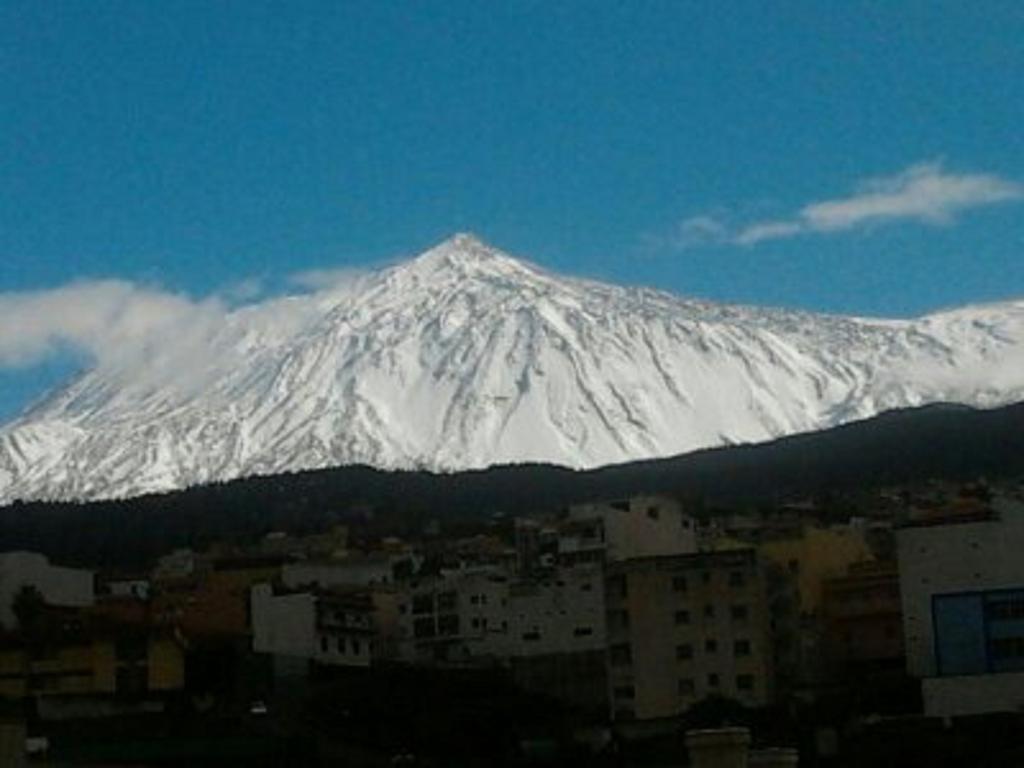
x: 465, y: 253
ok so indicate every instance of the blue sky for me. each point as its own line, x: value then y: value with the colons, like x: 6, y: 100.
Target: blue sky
x: 847, y: 157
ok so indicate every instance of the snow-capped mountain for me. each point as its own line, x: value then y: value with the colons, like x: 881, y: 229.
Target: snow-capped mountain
x: 465, y: 357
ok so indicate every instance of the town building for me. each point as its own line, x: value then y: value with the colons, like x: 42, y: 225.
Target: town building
x: 458, y: 616
x: 685, y: 627
x: 353, y: 569
x: 797, y: 565
x: 962, y: 590
x: 863, y: 620
x: 642, y: 526
x: 350, y: 627
x: 81, y: 662
x: 58, y: 586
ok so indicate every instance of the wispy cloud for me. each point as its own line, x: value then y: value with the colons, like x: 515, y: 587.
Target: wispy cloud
x: 325, y: 279
x: 101, y: 318
x: 926, y: 193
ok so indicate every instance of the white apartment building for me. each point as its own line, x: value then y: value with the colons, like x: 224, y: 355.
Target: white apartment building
x: 642, y: 526
x: 962, y: 589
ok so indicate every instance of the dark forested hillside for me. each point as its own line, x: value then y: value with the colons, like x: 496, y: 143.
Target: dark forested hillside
x: 934, y: 442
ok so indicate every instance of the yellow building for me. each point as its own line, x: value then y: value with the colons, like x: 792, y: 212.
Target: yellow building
x: 815, y: 555
x: 685, y: 627
x: 80, y: 662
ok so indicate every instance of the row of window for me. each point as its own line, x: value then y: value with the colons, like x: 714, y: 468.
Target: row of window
x: 736, y: 612
x: 687, y: 687
x: 341, y: 645
x: 681, y: 583
x: 740, y: 648
x: 619, y: 619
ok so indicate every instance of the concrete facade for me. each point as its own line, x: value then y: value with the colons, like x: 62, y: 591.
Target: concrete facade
x: 962, y: 589
x: 681, y: 628
x: 62, y: 587
x: 642, y: 526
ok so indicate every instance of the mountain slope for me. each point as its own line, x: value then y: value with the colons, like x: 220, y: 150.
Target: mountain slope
x: 465, y: 357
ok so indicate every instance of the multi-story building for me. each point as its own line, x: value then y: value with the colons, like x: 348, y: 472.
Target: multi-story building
x: 685, y: 627
x: 58, y: 586
x: 798, y: 563
x: 82, y: 661
x: 454, y: 617
x: 962, y: 590
x: 642, y: 526
x: 350, y: 627
x: 353, y: 569
x: 556, y: 639
x: 862, y: 618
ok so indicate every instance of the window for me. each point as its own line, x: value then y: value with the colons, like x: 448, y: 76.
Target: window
x: 686, y: 686
x: 356, y: 647
x: 679, y: 583
x: 741, y: 648
x: 323, y: 644
x: 474, y: 599
x: 709, y: 611
x: 1007, y: 647
x: 424, y: 628
x: 737, y: 579
x: 448, y: 625
x: 713, y: 680
x: 739, y: 612
x: 620, y: 654
x: 1012, y: 608
x: 793, y: 565
x: 653, y: 513
x: 423, y: 604
x: 446, y: 601
x: 582, y: 632
x: 475, y: 623
x: 744, y: 682
x: 339, y: 644
x: 624, y: 692
x: 682, y: 617
x: 531, y: 636
x: 710, y: 645
x: 684, y: 652
x: 705, y: 577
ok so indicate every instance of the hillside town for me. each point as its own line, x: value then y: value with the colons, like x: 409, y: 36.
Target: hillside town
x: 602, y: 635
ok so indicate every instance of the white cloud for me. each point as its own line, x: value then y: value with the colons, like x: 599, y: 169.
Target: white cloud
x: 766, y: 230
x: 925, y: 193
x: 700, y: 230
x: 325, y: 279
x: 103, y: 318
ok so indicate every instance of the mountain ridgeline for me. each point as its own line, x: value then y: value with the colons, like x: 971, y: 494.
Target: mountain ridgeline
x: 466, y: 357
x: 953, y: 443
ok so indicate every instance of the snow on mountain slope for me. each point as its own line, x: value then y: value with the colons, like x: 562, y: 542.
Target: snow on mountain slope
x: 465, y: 357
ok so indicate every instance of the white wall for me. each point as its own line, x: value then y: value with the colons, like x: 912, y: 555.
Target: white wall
x: 973, y: 694
x: 67, y: 587
x: 555, y: 610
x: 283, y: 625
x: 651, y: 526
x: 958, y: 557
